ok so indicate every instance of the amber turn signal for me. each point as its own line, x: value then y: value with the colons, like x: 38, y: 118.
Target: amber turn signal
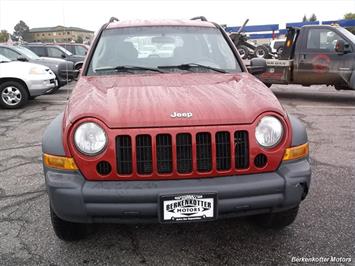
x: 59, y: 162
x: 297, y: 152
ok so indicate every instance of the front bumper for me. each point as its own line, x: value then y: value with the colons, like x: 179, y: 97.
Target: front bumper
x: 77, y: 200
x: 41, y: 86
x: 67, y: 75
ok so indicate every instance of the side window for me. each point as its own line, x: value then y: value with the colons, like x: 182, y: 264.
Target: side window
x: 70, y: 48
x: 40, y: 51
x: 54, y: 52
x: 12, y: 55
x: 79, y: 50
x: 322, y: 39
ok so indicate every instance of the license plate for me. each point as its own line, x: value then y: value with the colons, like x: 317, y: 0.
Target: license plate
x: 188, y: 207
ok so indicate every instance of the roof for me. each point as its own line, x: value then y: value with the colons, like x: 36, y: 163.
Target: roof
x: 58, y: 28
x: 142, y: 23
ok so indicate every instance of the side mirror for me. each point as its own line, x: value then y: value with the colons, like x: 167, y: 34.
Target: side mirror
x: 22, y: 59
x: 257, y: 66
x: 63, y: 56
x: 340, y: 46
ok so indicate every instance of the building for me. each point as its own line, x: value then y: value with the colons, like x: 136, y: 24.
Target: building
x: 60, y: 34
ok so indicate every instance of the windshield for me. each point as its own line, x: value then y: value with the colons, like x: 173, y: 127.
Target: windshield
x: 28, y: 53
x: 4, y: 59
x: 64, y: 50
x: 347, y: 34
x: 157, y: 46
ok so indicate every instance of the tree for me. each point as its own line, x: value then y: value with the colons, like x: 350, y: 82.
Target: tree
x: 349, y: 16
x: 4, y: 35
x: 313, y: 17
x: 21, y: 30
x: 304, y: 19
x: 79, y: 39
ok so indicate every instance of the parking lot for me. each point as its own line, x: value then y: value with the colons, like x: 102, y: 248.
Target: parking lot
x: 323, y: 228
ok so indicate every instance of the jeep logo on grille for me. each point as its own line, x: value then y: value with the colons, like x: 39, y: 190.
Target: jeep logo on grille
x: 181, y: 115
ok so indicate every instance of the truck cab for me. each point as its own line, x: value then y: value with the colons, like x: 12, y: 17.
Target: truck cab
x: 315, y: 54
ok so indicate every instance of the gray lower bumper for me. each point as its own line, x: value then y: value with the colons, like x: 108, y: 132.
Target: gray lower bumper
x: 77, y: 200
x: 40, y: 87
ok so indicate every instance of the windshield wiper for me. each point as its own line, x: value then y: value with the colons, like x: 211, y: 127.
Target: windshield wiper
x: 190, y: 65
x: 128, y: 68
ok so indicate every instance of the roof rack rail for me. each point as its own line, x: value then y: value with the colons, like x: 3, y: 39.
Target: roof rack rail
x: 112, y: 19
x: 202, y: 18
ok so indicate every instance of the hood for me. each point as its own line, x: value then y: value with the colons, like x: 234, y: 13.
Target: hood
x: 51, y: 60
x: 134, y: 101
x: 25, y: 65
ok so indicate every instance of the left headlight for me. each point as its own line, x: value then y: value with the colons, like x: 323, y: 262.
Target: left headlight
x: 37, y: 71
x: 90, y: 139
x: 269, y: 131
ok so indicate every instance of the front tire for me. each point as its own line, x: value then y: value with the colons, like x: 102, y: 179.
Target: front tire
x: 78, y: 66
x: 13, y: 95
x: 243, y: 51
x: 277, y: 220
x: 261, y: 52
x: 68, y: 231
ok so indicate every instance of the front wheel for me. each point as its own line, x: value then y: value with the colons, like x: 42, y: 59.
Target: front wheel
x: 243, y: 51
x: 277, y: 220
x: 13, y: 95
x: 68, y: 231
x: 261, y: 52
x: 78, y: 66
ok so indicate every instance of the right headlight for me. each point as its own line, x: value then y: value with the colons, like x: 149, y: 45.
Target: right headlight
x: 90, y: 139
x: 269, y: 131
x: 37, y: 70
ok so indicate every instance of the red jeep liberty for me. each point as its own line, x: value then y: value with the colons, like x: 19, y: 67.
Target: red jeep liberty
x: 167, y: 125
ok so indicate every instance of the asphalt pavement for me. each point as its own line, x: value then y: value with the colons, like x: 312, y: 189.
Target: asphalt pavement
x: 324, y: 227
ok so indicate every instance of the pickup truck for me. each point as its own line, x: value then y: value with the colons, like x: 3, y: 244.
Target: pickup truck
x: 314, y: 54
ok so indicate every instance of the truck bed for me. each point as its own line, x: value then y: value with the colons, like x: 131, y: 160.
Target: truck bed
x: 277, y: 71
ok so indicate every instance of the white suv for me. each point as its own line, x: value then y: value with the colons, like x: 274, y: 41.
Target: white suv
x: 21, y: 81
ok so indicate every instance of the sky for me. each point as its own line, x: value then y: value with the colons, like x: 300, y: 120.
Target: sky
x: 91, y: 14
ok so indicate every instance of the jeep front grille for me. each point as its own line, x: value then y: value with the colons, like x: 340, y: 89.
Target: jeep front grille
x: 183, y: 152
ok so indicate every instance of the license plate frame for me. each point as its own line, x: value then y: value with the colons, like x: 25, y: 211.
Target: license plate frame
x: 189, y: 207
